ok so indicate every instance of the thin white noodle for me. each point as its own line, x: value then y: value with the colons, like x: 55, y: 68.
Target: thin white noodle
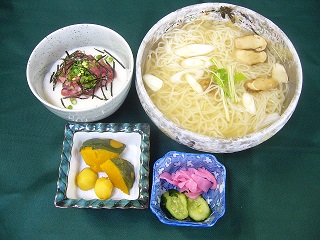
x: 204, y: 113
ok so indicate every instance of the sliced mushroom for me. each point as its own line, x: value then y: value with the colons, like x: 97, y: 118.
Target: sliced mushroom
x: 254, y: 42
x: 194, y: 83
x: 194, y: 50
x: 250, y: 57
x: 196, y: 62
x: 153, y: 82
x: 279, y: 73
x: 176, y: 78
x: 261, y: 84
x: 248, y: 103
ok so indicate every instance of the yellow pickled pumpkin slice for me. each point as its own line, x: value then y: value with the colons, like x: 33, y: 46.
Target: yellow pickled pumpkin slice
x: 96, y: 151
x: 120, y: 173
x: 95, y: 157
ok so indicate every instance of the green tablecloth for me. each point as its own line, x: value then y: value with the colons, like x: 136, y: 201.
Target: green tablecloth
x: 272, y: 190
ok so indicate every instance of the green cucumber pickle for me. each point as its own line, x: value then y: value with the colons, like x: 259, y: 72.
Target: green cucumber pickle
x: 175, y: 203
x: 198, y: 209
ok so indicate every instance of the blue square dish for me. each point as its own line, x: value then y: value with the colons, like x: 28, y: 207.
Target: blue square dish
x: 173, y: 161
x: 136, y: 138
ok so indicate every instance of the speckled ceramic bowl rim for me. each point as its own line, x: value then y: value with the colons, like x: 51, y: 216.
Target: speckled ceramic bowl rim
x: 272, y: 129
x: 51, y: 35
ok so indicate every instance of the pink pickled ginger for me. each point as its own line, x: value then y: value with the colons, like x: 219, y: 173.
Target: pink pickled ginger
x: 193, y: 182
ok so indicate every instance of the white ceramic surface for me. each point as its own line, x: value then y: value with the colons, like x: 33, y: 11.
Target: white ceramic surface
x: 131, y: 153
x: 136, y: 137
x: 53, y: 46
x: 248, y: 20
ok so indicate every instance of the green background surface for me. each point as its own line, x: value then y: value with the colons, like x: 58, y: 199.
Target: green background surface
x: 272, y: 190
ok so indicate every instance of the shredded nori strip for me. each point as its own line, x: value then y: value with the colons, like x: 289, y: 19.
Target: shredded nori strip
x: 111, y: 84
x: 115, y: 59
x: 61, y: 99
x: 88, y: 84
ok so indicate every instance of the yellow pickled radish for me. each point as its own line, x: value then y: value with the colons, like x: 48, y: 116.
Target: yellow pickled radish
x: 86, y: 179
x: 103, y: 188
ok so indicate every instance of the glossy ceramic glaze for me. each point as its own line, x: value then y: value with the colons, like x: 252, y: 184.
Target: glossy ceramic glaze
x: 136, y: 138
x: 172, y: 162
x: 248, y: 20
x: 53, y: 46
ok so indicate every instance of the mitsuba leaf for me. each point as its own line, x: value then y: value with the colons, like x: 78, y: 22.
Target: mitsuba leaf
x: 238, y: 77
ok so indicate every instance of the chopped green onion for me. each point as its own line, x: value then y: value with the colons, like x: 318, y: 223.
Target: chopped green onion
x: 98, y: 57
x: 80, y: 70
x: 73, y: 101
x: 109, y: 59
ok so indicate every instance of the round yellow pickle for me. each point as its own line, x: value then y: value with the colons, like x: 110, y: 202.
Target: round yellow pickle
x: 103, y: 188
x: 86, y: 179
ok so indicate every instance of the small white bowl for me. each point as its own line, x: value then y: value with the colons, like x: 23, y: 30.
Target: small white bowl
x: 50, y: 50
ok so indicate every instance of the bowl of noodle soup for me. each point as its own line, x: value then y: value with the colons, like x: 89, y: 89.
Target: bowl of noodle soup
x: 195, y: 80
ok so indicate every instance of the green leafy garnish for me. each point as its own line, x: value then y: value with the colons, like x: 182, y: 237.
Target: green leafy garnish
x: 226, y: 79
x: 220, y: 77
x: 239, y: 77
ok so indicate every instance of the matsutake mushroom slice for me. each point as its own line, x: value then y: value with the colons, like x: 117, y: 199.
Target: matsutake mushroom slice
x: 254, y: 42
x: 261, y: 84
x: 250, y: 57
